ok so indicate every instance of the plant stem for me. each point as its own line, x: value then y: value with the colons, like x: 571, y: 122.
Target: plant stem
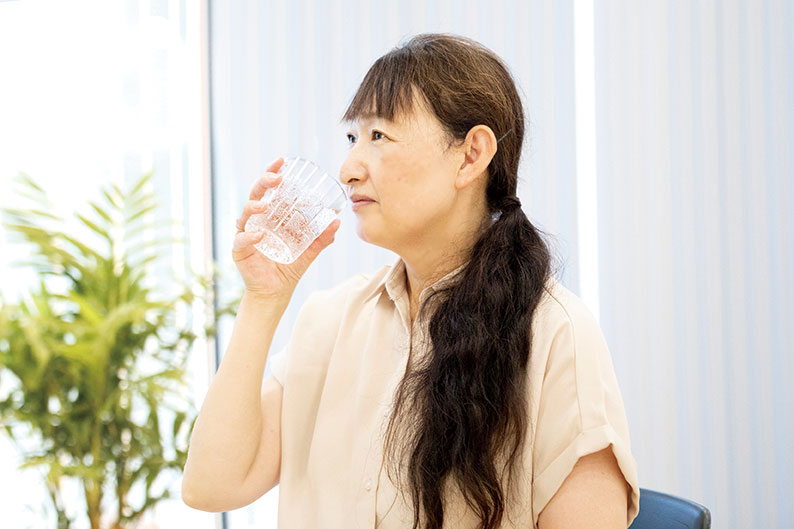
x: 93, y: 487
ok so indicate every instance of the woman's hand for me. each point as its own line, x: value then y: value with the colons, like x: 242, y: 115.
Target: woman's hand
x: 262, y: 276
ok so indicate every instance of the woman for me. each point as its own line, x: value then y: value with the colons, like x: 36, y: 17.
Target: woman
x: 462, y: 386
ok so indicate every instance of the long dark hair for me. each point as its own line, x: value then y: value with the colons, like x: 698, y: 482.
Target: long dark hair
x: 461, y: 412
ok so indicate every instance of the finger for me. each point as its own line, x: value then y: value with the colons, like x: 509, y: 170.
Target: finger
x: 275, y: 165
x: 318, y: 245
x: 262, y: 184
x: 244, y: 242
x: 260, y: 187
x: 251, y: 207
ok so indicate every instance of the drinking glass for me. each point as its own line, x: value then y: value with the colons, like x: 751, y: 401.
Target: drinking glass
x: 300, y: 208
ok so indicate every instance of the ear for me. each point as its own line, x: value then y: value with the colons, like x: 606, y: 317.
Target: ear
x: 478, y: 150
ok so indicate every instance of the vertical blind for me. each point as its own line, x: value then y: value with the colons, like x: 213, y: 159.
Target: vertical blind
x: 695, y: 120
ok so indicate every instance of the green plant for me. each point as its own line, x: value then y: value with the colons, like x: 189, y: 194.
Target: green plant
x: 98, y: 355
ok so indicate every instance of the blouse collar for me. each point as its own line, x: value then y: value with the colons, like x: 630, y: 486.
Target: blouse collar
x: 395, y: 280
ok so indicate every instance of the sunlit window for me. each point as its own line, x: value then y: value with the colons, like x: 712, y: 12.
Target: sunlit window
x: 94, y: 92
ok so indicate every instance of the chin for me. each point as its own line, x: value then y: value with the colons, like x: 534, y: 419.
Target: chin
x: 362, y: 233
x: 370, y: 238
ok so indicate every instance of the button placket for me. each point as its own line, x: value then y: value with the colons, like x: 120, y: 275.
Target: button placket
x: 385, y: 496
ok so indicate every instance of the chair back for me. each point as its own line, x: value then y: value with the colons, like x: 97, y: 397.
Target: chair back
x: 665, y: 511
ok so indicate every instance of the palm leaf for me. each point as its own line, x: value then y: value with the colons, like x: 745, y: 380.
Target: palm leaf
x: 142, y: 182
x: 101, y: 213
x: 136, y: 203
x: 86, y: 250
x: 114, y: 320
x: 27, y: 180
x: 114, y: 200
x: 138, y: 214
x: 29, y: 189
x: 23, y: 213
x: 179, y: 419
x: 82, y: 352
x: 41, y: 353
x: 94, y: 227
x: 32, y: 233
x: 117, y: 190
x: 88, y: 310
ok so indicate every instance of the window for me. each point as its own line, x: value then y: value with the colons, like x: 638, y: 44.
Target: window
x: 96, y: 92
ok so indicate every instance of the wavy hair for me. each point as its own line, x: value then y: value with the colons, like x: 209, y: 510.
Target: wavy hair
x: 461, y: 412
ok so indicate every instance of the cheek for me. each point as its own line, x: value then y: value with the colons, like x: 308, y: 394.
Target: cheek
x: 414, y: 187
x: 413, y: 211
x: 413, y: 173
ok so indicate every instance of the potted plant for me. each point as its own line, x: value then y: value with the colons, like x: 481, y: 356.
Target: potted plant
x: 97, y: 356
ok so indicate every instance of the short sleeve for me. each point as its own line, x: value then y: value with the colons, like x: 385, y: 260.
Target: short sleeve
x: 581, y: 410
x: 313, y: 331
x: 278, y: 365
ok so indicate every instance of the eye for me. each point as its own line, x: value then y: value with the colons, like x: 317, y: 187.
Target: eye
x: 351, y: 138
x: 377, y: 135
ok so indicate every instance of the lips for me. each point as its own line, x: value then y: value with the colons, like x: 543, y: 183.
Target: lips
x: 360, y: 198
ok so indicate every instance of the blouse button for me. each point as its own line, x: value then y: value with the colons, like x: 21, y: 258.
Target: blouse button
x: 368, y: 485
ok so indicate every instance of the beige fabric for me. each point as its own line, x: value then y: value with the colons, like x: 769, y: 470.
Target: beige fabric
x: 347, y: 353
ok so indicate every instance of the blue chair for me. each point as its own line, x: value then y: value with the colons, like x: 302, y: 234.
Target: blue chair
x: 665, y: 511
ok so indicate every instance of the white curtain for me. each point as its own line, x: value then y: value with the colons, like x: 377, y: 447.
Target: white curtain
x: 695, y: 120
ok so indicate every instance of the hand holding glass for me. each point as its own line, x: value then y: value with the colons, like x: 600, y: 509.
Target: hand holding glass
x: 298, y: 210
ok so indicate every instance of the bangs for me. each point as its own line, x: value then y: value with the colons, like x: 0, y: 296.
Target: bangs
x: 387, y: 89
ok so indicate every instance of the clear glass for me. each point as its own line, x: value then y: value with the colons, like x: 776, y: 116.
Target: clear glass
x: 305, y: 202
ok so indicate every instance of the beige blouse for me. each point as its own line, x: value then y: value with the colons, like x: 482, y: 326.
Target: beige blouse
x: 347, y: 353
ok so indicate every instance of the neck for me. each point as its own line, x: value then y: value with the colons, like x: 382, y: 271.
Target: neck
x: 440, y: 253
x: 425, y: 269
x: 420, y: 275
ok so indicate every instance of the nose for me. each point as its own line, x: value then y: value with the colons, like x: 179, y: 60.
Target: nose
x: 352, y: 169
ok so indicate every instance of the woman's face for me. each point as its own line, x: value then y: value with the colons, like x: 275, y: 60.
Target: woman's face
x: 408, y: 168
